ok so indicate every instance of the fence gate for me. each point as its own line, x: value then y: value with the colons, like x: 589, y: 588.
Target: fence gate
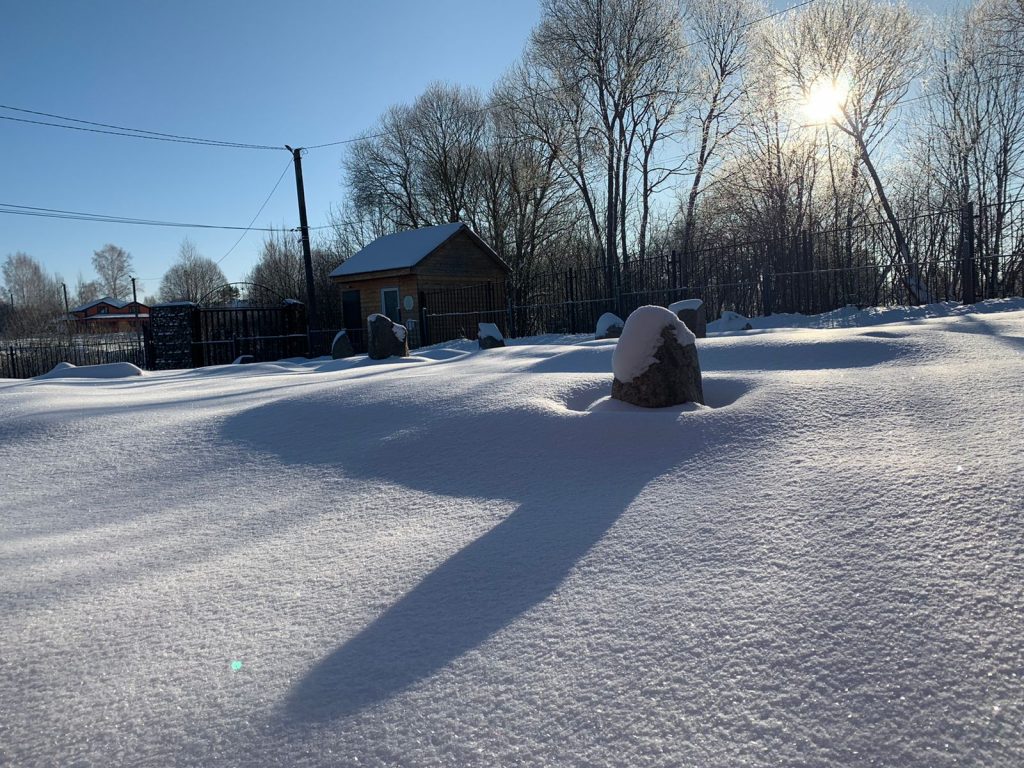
x: 222, y: 334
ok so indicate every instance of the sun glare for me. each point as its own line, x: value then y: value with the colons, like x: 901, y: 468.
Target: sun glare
x: 823, y: 102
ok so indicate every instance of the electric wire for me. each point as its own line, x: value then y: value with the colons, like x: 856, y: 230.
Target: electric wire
x: 58, y: 213
x: 252, y: 221
x: 120, y: 130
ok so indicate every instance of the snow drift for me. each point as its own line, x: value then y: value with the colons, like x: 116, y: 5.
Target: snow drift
x: 462, y: 558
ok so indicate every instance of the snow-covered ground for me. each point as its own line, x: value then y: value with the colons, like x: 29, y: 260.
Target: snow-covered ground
x: 474, y: 558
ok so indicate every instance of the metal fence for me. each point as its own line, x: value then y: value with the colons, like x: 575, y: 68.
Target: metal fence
x: 954, y: 255
x: 25, y: 358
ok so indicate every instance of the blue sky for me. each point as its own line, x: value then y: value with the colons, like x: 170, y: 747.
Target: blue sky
x: 300, y: 73
x: 268, y: 73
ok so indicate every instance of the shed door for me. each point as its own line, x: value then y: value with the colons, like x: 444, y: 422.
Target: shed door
x: 351, y: 310
x: 389, y: 304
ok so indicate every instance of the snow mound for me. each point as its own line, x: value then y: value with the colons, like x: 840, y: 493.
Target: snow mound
x: 640, y: 339
x: 104, y: 371
x: 730, y: 321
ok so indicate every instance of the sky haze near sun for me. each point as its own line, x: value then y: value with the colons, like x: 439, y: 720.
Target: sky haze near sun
x: 255, y: 72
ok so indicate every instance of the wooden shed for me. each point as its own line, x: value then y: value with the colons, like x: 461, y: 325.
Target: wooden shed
x: 391, y: 274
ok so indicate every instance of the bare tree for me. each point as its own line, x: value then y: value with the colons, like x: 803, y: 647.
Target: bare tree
x: 866, y: 55
x: 85, y: 291
x: 113, y: 264
x: 192, y: 277
x: 609, y: 59
x: 448, y: 126
x: 33, y: 296
x: 975, y: 137
x: 719, y: 34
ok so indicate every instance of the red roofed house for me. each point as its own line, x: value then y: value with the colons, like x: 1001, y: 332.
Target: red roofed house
x: 110, y: 315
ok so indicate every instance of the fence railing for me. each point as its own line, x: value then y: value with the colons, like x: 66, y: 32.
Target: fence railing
x: 809, y: 273
x: 25, y: 358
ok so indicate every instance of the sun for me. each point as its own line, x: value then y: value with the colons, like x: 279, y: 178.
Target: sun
x: 824, y: 100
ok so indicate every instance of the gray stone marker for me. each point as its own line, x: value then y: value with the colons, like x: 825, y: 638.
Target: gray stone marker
x: 342, y: 346
x: 692, y: 312
x: 385, y: 338
x: 489, y: 336
x: 673, y: 378
x: 609, y: 326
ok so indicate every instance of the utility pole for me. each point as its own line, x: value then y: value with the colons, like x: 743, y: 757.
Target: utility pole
x: 312, y: 317
x: 135, y: 301
x: 67, y: 310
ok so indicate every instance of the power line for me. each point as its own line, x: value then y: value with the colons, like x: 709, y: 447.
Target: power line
x: 57, y: 213
x: 267, y: 200
x: 565, y: 86
x: 118, y: 130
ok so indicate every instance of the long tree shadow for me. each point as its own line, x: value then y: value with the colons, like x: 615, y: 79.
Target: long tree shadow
x: 573, y: 475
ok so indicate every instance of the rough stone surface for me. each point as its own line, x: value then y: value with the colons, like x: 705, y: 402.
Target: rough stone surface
x: 696, y: 320
x: 674, y: 378
x: 386, y: 339
x: 171, y: 330
x: 244, y: 359
x: 342, y: 346
x: 609, y: 326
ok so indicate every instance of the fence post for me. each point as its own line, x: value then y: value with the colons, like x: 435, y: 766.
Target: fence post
x: 509, y: 314
x: 967, y: 253
x: 425, y: 333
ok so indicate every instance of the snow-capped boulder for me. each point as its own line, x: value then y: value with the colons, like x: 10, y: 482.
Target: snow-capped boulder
x: 489, y: 336
x: 385, y: 338
x: 691, y: 312
x: 655, y: 362
x: 609, y: 326
x: 731, y: 321
x: 342, y: 346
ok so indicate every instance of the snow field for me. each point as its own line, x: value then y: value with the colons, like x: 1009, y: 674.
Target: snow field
x: 460, y: 558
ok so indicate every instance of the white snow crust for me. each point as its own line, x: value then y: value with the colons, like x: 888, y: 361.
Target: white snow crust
x: 685, y: 304
x: 489, y: 329
x: 641, y: 337
x: 606, y: 321
x: 729, y: 322
x: 437, y: 560
x: 337, y: 336
x: 102, y: 371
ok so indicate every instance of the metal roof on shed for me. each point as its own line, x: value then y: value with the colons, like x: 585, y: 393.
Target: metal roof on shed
x: 402, y: 250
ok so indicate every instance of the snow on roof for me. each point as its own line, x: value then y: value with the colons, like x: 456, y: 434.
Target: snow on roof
x: 401, y: 250
x: 105, y: 300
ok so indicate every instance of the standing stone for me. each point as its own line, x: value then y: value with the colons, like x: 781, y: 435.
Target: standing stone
x: 692, y: 312
x: 657, y: 361
x: 609, y: 326
x: 342, y: 346
x: 386, y: 339
x: 489, y: 336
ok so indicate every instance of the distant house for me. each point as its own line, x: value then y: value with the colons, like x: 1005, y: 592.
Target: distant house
x: 110, y: 315
x: 392, y: 273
